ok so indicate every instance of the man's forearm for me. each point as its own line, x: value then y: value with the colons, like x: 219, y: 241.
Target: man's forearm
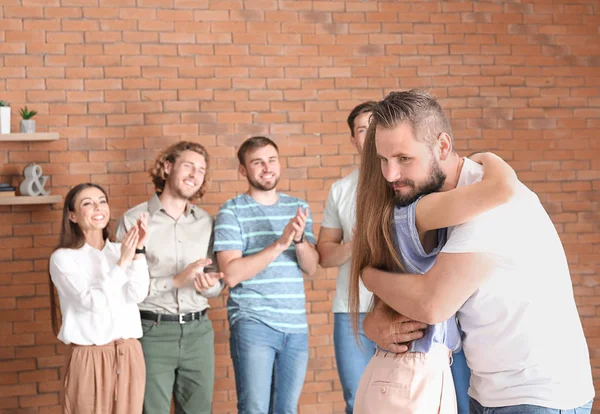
x: 333, y: 254
x: 407, y: 294
x: 370, y: 328
x: 308, y: 257
x: 244, y: 268
x: 436, y: 295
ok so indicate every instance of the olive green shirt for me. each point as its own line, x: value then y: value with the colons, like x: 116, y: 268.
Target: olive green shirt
x: 170, y: 247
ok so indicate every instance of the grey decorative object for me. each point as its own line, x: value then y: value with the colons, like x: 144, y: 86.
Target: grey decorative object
x: 34, y: 182
x: 27, y: 124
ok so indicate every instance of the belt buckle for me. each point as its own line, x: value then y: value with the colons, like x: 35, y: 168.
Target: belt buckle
x: 181, y: 321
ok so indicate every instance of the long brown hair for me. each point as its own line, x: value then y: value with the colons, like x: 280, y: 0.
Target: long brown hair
x: 170, y: 154
x: 373, y: 244
x: 71, y: 237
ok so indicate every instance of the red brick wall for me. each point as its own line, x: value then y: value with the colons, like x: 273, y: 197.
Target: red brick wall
x: 119, y: 79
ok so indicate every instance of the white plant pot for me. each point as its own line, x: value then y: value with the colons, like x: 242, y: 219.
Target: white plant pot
x: 4, y: 119
x: 28, y: 126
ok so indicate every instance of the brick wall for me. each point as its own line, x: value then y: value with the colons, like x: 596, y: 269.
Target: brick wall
x: 119, y: 79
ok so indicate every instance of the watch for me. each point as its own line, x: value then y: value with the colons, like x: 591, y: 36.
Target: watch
x: 302, y: 239
x: 141, y: 251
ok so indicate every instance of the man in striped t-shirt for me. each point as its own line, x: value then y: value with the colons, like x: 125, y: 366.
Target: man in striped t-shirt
x: 264, y: 241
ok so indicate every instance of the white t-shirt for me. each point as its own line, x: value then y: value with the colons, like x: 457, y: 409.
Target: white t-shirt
x: 98, y: 299
x: 523, y: 338
x: 340, y: 213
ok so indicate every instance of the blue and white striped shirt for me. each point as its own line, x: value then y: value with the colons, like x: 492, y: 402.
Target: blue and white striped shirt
x: 274, y: 296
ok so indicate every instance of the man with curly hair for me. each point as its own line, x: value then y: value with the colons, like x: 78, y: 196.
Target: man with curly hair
x: 178, y: 339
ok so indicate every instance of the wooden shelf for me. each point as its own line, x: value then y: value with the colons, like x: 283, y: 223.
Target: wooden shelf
x: 36, y: 136
x: 26, y: 200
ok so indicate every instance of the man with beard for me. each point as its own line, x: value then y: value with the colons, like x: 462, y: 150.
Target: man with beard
x: 264, y: 241
x: 504, y: 272
x: 419, y: 232
x: 178, y: 341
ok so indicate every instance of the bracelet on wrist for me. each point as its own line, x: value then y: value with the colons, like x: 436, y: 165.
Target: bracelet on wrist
x: 302, y: 239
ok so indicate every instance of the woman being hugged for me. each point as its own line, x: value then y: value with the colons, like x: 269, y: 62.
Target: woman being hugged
x: 99, y: 285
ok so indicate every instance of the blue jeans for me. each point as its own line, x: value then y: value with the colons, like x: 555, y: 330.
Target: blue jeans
x: 351, y: 358
x: 269, y: 367
x: 477, y: 408
x: 462, y: 378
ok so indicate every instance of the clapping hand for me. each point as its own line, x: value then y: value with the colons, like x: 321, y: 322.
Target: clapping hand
x: 299, y: 224
x: 142, y: 225
x: 288, y: 235
x: 128, y: 247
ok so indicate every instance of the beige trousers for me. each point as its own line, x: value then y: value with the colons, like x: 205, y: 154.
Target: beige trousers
x: 408, y: 383
x: 107, y: 379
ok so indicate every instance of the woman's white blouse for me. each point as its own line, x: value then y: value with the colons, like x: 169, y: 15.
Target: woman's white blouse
x: 98, y: 299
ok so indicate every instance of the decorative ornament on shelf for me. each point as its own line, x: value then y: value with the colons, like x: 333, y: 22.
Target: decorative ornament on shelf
x: 34, y: 182
x: 4, y: 117
x: 27, y: 124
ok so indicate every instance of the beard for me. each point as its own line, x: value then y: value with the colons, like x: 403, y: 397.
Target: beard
x: 185, y: 194
x: 434, y: 183
x: 181, y: 191
x: 263, y: 187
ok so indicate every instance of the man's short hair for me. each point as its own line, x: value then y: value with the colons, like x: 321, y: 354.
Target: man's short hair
x: 252, y: 144
x: 363, y: 108
x: 417, y: 107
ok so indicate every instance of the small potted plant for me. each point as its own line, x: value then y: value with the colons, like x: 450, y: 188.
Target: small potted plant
x: 27, y: 124
x: 4, y: 117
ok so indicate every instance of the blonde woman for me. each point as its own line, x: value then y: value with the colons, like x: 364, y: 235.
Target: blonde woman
x: 99, y: 284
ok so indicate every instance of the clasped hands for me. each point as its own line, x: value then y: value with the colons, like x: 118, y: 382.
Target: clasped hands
x: 196, y: 272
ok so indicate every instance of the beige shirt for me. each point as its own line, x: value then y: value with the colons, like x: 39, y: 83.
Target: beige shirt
x: 170, y: 247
